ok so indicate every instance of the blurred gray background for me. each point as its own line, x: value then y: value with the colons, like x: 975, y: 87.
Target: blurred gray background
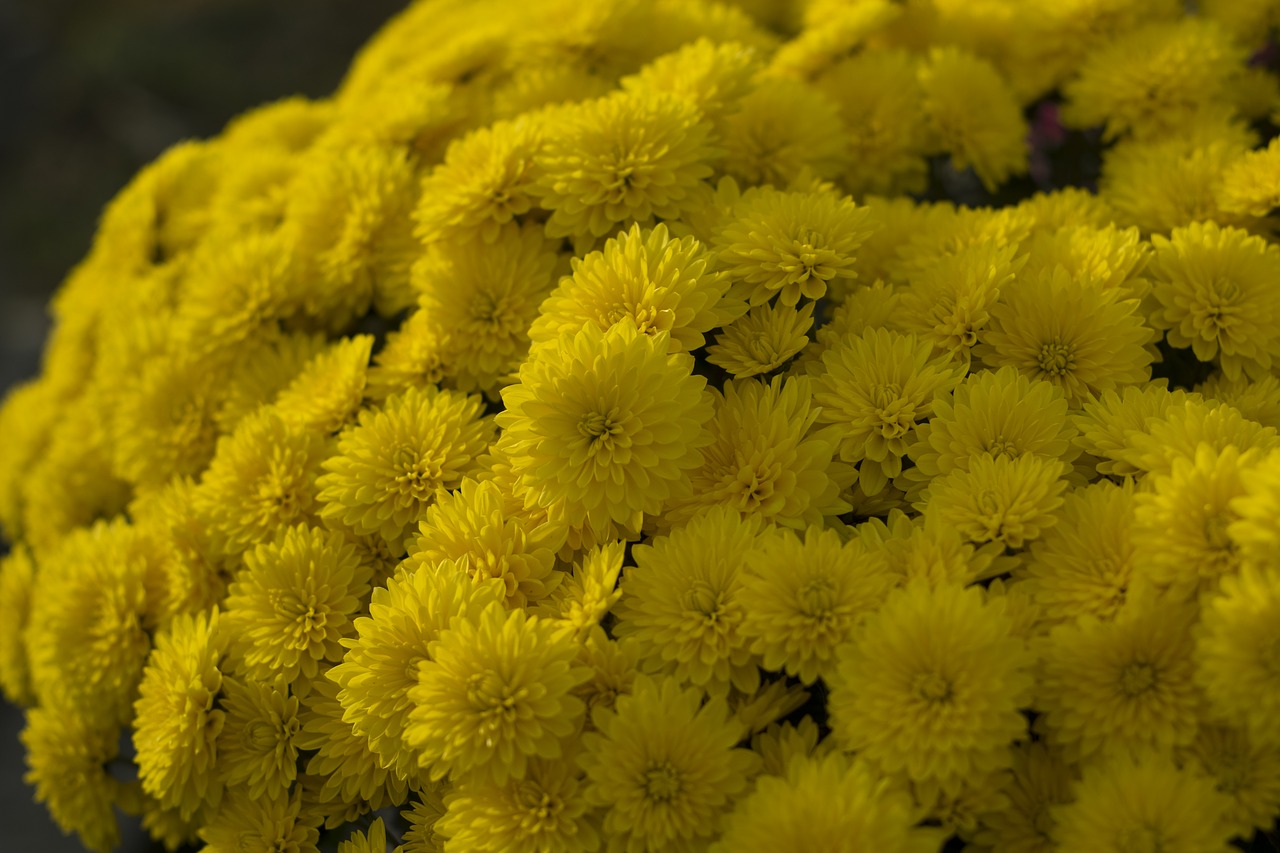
x: 91, y: 90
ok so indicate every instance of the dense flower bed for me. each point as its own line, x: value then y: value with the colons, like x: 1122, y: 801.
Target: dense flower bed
x: 615, y: 426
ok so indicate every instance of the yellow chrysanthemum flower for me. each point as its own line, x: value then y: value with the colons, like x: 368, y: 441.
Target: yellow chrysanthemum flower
x: 1083, y: 565
x: 779, y: 743
x: 874, y: 388
x: 1256, y: 531
x: 973, y: 115
x: 398, y: 457
x: 247, y: 824
x: 780, y: 129
x: 176, y: 725
x: 1256, y: 399
x: 628, y: 156
x: 1070, y: 333
x: 998, y: 499
x: 381, y: 663
x: 681, y: 604
x: 288, y: 608
x: 1180, y: 523
x: 416, y: 355
x: 262, y: 479
x: 422, y: 817
x: 645, y: 277
x: 1178, y: 431
x: 931, y: 684
x: 483, y: 296
x: 67, y: 754
x: 472, y: 528
x: 1149, y: 80
x: 327, y: 392
x: 801, y: 598
x: 494, y: 695
x: 1214, y: 290
x: 545, y: 812
x: 790, y: 244
x: 664, y: 766
x: 1251, y: 183
x: 833, y: 803
x: 1038, y: 781
x: 258, y: 745
x: 713, y: 76
x: 1145, y: 801
x: 1109, y: 257
x: 1120, y: 685
x: 1246, y: 772
x: 1001, y: 413
x: 484, y: 182
x: 582, y: 600
x: 766, y: 460
x: 763, y: 340
x: 931, y: 550
x: 256, y: 379
x: 1236, y: 652
x: 604, y: 451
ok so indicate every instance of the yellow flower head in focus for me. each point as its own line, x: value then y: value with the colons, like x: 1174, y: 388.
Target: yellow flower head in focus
x: 763, y: 340
x: 258, y: 745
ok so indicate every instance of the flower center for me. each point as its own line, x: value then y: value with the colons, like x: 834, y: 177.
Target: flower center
x: 497, y: 703
x: 661, y: 782
x: 931, y: 687
x: 1137, y: 678
x: 817, y: 598
x: 1056, y: 359
x: 541, y: 810
x: 598, y: 427
x: 418, y: 477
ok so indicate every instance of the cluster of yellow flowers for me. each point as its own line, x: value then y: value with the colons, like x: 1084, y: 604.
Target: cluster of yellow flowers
x: 580, y: 434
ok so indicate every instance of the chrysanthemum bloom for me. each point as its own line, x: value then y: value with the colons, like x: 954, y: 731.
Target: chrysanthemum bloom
x: 67, y: 754
x: 949, y: 302
x: 247, y: 824
x: 545, y: 812
x: 604, y: 426
x: 1083, y: 565
x: 1171, y: 181
x: 484, y: 182
x: 326, y: 394
x: 930, y: 686
x: 664, y: 766
x: 1256, y: 530
x: 293, y: 602
x: 927, y: 548
x: 1246, y: 772
x: 17, y: 581
x: 879, y: 97
x: 1111, y: 258
x: 613, y: 668
x: 1151, y: 79
x: 801, y: 598
x: 348, y: 215
x: 1070, y: 333
x: 88, y: 643
x: 391, y: 465
x: 1001, y: 413
x: 1106, y: 423
x: 629, y: 156
x: 414, y: 356
x: 833, y: 803
x: 1216, y: 295
x: 779, y: 743
x: 422, y: 816
x: 790, y: 244
x: 381, y: 663
x: 1143, y: 802
x: 1120, y: 685
x: 1238, y: 652
x: 258, y: 744
x: 1256, y: 399
x: 659, y: 283
x: 262, y: 480
x: 1251, y: 185
x: 763, y: 340
x: 471, y: 527
x: 681, y: 604
x: 176, y: 727
x: 495, y: 694
x: 766, y: 460
x: 1038, y: 781
x: 1180, y: 430
x: 1180, y: 523
x: 484, y: 296
x: 276, y: 361
x: 781, y: 128
x: 712, y: 76
x: 998, y: 499
x: 875, y: 388
x: 973, y: 115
